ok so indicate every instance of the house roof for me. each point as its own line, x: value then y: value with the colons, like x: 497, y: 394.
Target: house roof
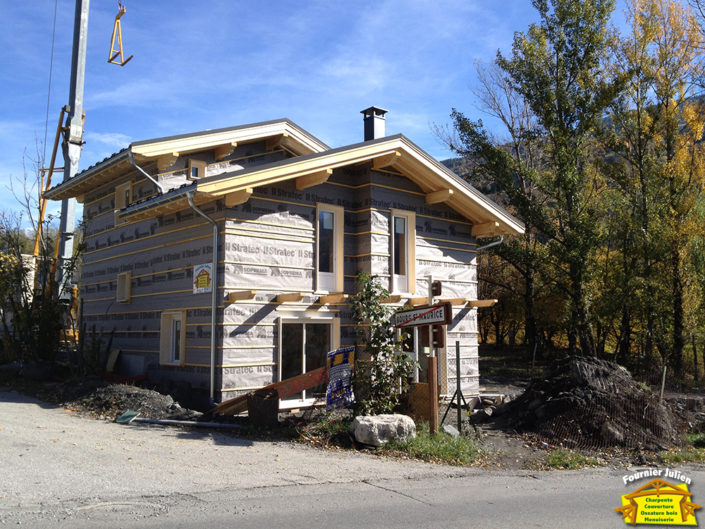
x: 398, y: 152
x: 313, y: 164
x: 290, y: 135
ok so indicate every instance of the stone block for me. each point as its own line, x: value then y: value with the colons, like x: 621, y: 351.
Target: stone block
x: 377, y: 430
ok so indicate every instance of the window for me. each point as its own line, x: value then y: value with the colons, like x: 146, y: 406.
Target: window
x: 124, y: 287
x: 196, y: 169
x: 329, y: 248
x: 123, y: 198
x: 303, y: 347
x: 172, y: 338
x: 403, y: 245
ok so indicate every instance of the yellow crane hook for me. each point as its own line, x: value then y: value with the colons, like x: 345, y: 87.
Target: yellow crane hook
x: 117, y: 32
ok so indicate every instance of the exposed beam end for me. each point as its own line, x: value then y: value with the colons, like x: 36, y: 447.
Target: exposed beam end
x: 241, y: 295
x: 487, y: 229
x: 290, y: 297
x: 333, y: 298
x: 482, y: 303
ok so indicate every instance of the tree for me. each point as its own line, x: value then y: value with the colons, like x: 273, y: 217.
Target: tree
x: 655, y: 130
x: 556, y: 71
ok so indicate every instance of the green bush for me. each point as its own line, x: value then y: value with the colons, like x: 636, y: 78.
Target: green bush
x: 382, y: 370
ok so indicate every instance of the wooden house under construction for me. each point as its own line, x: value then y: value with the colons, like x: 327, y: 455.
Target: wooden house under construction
x: 272, y: 227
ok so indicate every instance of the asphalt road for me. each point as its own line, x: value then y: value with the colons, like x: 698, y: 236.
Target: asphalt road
x: 60, y: 470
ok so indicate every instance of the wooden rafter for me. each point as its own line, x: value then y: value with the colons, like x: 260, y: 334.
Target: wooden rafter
x: 436, y: 197
x: 238, y: 197
x: 313, y: 179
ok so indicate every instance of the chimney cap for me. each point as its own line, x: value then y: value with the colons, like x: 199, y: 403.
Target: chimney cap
x: 374, y: 111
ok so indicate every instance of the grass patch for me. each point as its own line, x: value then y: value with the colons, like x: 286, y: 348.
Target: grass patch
x: 696, y: 439
x: 568, y: 460
x: 696, y: 455
x: 439, y: 448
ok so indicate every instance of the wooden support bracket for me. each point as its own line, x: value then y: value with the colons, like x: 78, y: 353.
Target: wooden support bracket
x: 290, y: 296
x: 313, y: 179
x: 276, y: 141
x: 240, y: 295
x: 386, y: 161
x: 437, y: 197
x: 330, y: 299
x: 488, y: 229
x: 221, y: 151
x: 238, y: 197
x: 394, y: 298
x: 482, y: 303
x: 167, y: 160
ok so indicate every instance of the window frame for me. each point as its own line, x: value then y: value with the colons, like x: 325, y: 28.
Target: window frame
x: 334, y: 324
x: 410, y: 253
x: 124, y: 287
x: 334, y: 278
x: 166, y: 345
x: 118, y: 200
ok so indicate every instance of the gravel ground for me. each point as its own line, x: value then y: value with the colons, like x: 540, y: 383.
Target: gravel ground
x: 54, y: 462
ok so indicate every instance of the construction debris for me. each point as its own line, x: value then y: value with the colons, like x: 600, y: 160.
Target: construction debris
x: 592, y: 403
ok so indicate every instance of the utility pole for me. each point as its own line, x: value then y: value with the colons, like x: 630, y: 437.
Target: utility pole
x: 73, y: 138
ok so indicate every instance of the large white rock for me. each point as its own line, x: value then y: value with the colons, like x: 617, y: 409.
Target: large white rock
x: 376, y: 430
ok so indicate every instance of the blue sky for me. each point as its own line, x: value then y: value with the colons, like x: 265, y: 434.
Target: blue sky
x: 219, y: 63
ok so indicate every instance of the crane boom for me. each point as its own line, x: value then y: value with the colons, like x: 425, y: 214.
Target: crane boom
x: 73, y: 137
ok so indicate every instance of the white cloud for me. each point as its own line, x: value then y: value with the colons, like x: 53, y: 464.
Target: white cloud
x: 114, y: 140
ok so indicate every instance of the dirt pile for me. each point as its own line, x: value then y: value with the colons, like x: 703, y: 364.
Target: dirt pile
x: 591, y: 403
x: 115, y: 399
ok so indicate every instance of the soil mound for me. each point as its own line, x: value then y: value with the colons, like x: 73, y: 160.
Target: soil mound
x: 115, y: 399
x: 592, y: 403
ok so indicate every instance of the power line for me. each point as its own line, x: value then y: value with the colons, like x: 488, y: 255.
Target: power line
x: 51, y: 70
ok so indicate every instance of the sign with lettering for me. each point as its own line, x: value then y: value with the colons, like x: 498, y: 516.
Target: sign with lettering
x: 202, y: 278
x: 441, y: 314
x: 339, y: 393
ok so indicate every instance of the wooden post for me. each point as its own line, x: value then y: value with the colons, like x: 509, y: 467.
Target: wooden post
x: 433, y: 394
x: 458, y: 390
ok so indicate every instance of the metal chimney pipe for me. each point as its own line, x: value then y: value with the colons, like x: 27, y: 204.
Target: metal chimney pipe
x: 374, y: 120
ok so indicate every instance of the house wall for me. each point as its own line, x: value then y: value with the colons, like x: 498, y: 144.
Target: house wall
x: 268, y: 245
x: 160, y: 253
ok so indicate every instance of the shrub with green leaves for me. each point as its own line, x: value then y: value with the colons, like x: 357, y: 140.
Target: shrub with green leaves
x: 382, y: 370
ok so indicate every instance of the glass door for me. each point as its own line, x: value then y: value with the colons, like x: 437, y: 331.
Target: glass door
x: 303, y: 348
